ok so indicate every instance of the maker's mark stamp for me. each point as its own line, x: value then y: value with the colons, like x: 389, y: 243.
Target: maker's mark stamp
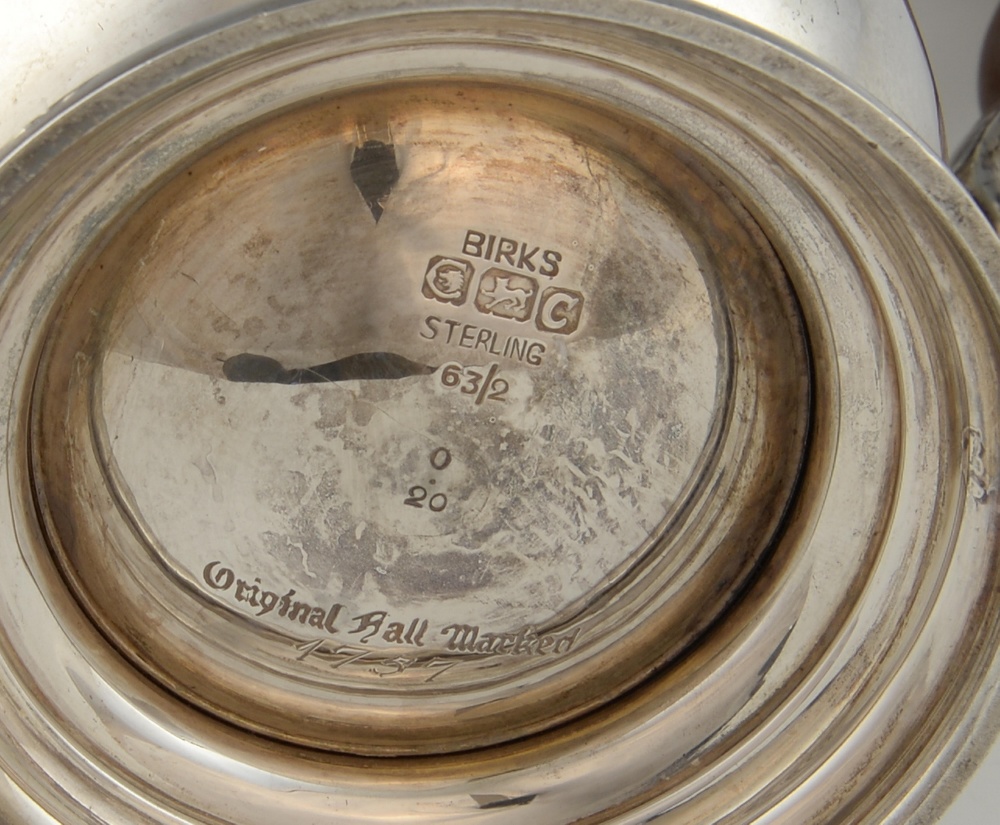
x: 447, y: 280
x: 559, y: 310
x: 506, y: 295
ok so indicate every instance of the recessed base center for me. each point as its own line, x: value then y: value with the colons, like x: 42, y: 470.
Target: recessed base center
x: 443, y: 402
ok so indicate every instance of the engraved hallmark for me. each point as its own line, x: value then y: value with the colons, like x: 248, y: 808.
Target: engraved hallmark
x: 976, y: 475
x: 512, y: 252
x: 376, y: 625
x: 268, y: 601
x: 505, y: 294
x: 469, y: 336
x: 463, y: 638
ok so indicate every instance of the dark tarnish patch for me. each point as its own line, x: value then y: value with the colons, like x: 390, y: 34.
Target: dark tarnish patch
x: 374, y: 172
x: 364, y: 366
x: 248, y: 368
x: 491, y: 800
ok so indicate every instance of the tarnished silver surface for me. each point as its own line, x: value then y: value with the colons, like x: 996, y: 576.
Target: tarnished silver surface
x: 49, y: 50
x: 431, y: 411
x: 544, y: 478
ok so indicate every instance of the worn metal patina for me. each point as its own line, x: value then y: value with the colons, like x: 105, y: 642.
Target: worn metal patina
x: 483, y: 413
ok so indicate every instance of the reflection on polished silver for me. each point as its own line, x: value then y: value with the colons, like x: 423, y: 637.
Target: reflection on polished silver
x: 873, y: 45
x: 571, y: 413
x: 978, y: 165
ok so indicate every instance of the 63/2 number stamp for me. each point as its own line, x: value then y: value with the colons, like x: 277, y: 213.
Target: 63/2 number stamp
x: 479, y: 383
